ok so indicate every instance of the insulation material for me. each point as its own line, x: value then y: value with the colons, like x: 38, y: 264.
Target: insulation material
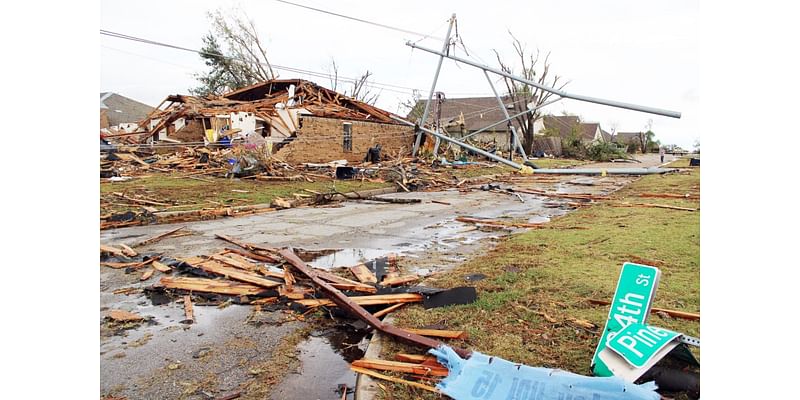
x: 492, y: 378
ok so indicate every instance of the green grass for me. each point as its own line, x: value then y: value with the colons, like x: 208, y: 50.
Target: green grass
x: 553, y: 272
x: 185, y: 194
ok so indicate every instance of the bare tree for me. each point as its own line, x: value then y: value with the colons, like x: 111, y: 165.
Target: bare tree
x: 360, y: 89
x: 646, y: 137
x: 239, y: 33
x: 521, y: 95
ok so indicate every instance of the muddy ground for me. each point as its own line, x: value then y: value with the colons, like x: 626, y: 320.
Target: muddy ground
x: 223, y: 350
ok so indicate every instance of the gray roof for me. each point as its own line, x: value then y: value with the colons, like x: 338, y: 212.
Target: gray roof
x: 122, y: 109
x: 478, y: 112
x: 626, y: 137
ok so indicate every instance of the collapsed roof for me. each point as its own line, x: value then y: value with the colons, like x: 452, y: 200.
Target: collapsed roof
x: 276, y: 101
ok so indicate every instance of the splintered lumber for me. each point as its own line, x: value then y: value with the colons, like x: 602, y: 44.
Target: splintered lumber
x: 355, y: 288
x: 288, y: 280
x: 393, y: 379
x: 187, y: 307
x: 348, y: 304
x: 671, y: 313
x: 439, y: 333
x: 128, y: 251
x: 388, y: 310
x: 112, y: 250
x: 157, y: 237
x: 241, y: 264
x: 119, y: 265
x: 161, y: 267
x: 333, y: 278
x: 123, y: 316
x: 400, y: 280
x: 210, y: 285
x: 147, y: 274
x: 238, y: 274
x: 496, y: 222
x: 367, y: 300
x: 363, y: 274
x: 399, y: 366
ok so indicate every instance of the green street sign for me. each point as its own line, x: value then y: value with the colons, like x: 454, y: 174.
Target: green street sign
x: 633, y: 299
x: 638, y: 343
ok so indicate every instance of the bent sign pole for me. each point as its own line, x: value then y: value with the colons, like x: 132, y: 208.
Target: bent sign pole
x: 612, y: 103
x: 433, y: 85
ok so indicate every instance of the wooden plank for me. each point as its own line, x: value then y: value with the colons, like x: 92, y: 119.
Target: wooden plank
x: 147, y: 274
x: 355, y: 288
x: 238, y: 275
x: 209, y: 285
x: 363, y: 274
x: 253, y: 256
x: 244, y: 245
x: 188, y: 309
x: 440, y: 202
x: 415, y: 358
x: 367, y: 300
x: 119, y: 265
x: 112, y: 250
x: 157, y: 237
x: 439, y: 333
x: 243, y: 265
x: 161, y: 267
x: 671, y: 313
x: 393, y: 379
x: 128, y: 251
x: 399, y: 366
x: 123, y: 316
x: 399, y: 280
x: 388, y: 310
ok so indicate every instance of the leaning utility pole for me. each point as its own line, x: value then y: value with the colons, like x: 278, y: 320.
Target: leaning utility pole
x: 445, y: 48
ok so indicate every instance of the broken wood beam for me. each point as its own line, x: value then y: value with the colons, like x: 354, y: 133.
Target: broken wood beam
x: 161, y: 267
x: 157, y: 237
x: 367, y: 300
x: 400, y: 280
x: 244, y: 245
x: 210, y: 285
x: 352, y: 307
x: 238, y: 275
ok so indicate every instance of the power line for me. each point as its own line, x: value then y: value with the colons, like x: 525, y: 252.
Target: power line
x: 361, y: 20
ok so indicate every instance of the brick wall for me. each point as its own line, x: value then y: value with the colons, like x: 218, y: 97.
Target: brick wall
x: 321, y: 140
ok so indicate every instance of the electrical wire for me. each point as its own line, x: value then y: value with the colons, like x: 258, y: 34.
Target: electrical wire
x: 424, y: 36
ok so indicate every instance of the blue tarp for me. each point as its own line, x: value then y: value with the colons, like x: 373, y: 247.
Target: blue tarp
x: 492, y: 378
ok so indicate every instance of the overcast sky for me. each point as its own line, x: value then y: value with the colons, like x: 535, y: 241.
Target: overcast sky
x: 642, y: 52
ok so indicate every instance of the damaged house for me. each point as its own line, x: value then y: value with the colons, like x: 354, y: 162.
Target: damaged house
x: 297, y: 120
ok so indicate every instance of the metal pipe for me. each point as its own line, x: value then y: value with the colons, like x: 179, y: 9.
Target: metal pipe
x: 510, y: 118
x: 517, y: 145
x: 464, y: 145
x: 612, y: 103
x: 433, y: 85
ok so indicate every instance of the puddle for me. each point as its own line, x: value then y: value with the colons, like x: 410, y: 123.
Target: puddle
x: 349, y: 257
x: 325, y: 359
